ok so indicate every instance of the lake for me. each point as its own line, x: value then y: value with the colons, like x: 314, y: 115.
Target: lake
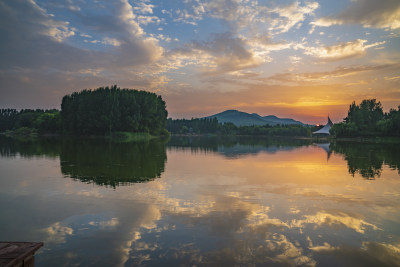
x: 202, y: 201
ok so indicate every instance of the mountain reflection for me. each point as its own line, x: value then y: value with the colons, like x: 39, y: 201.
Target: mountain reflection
x: 367, y: 159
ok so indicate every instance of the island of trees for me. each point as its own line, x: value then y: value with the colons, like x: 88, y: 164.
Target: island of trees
x: 103, y: 111
x: 107, y: 110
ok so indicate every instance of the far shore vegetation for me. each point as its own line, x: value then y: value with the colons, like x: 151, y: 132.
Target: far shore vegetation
x: 368, y: 120
x: 212, y: 126
x: 126, y: 115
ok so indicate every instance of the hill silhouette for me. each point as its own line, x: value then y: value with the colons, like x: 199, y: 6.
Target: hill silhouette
x: 240, y: 118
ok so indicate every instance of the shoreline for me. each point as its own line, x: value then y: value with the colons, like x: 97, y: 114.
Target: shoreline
x: 128, y: 137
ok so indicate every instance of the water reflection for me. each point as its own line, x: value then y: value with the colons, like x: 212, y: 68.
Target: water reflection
x: 95, y: 161
x: 112, y: 164
x: 239, y: 202
x: 235, y: 146
x: 367, y: 159
x: 47, y: 147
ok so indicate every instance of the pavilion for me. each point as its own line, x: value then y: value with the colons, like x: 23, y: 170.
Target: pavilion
x: 325, y: 130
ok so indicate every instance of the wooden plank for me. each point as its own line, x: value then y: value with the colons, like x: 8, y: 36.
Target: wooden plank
x: 15, y: 253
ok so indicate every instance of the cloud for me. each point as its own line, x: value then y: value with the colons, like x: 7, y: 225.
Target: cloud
x: 291, y: 15
x: 356, y: 48
x: 326, y: 22
x: 36, y: 53
x: 57, y: 233
x: 334, y: 220
x: 105, y: 41
x: 383, y: 14
x: 105, y: 224
x: 223, y: 53
x: 40, y: 22
x: 145, y: 20
x: 339, y: 72
x: 238, y: 14
x: 241, y: 14
x: 144, y: 8
x: 127, y: 16
x: 184, y: 16
x: 369, y: 254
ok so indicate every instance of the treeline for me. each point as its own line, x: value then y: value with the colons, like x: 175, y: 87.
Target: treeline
x: 111, y: 109
x: 193, y: 126
x: 368, y: 119
x: 31, y: 120
x: 103, y: 111
x: 212, y: 126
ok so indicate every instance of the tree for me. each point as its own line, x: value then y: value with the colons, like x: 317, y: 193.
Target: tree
x: 361, y: 119
x: 366, y: 115
x: 111, y: 109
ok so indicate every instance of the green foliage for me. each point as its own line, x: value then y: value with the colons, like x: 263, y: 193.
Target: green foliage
x: 49, y: 122
x: 126, y: 137
x: 39, y: 120
x: 193, y: 126
x: 366, y: 115
x: 98, y: 112
x: 345, y: 129
x: 7, y: 119
x: 368, y: 119
x: 390, y: 125
x: 229, y: 128
x: 111, y: 109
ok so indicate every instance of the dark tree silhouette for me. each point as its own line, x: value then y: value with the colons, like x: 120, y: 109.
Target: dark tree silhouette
x: 111, y: 109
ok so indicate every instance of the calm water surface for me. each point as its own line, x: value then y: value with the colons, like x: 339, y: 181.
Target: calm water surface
x: 202, y: 202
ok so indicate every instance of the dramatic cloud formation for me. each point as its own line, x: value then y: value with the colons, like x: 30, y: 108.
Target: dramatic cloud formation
x: 233, y: 53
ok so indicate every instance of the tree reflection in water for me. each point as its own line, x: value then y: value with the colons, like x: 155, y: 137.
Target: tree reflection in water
x: 368, y: 159
x: 112, y: 164
x: 96, y: 160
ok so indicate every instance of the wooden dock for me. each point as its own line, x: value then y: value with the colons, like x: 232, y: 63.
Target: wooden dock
x: 18, y: 254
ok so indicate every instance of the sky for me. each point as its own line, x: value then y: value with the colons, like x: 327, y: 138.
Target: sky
x: 298, y: 59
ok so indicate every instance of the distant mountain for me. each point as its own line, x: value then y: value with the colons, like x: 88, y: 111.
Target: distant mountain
x: 273, y: 118
x: 240, y: 118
